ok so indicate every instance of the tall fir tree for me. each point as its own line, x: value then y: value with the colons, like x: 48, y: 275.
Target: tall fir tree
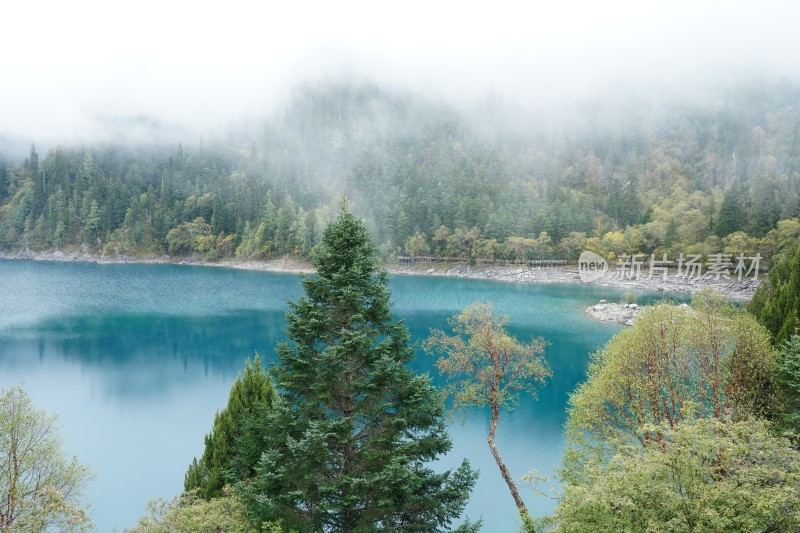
x: 346, y: 446
x: 732, y: 215
x: 776, y: 303
x: 249, y: 392
x: 787, y: 386
x: 766, y: 210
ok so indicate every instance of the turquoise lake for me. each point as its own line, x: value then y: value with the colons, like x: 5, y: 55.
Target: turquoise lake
x: 135, y: 360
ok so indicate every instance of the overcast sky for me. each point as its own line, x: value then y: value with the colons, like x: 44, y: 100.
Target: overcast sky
x: 68, y: 66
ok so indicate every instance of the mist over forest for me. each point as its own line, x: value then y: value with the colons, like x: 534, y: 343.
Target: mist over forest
x: 618, y: 172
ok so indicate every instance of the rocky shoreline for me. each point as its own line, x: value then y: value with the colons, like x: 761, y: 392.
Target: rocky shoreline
x: 82, y: 256
x: 732, y: 289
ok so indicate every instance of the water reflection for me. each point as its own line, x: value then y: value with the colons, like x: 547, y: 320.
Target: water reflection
x: 145, y: 355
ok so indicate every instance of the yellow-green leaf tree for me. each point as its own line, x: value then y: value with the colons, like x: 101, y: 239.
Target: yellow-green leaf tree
x: 676, y: 363
x: 40, y: 488
x: 489, y: 367
x: 706, y: 475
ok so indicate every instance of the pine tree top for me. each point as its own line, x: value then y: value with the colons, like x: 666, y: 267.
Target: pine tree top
x: 348, y: 278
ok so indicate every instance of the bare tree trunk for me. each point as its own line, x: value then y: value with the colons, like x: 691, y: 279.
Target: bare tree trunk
x: 523, y: 511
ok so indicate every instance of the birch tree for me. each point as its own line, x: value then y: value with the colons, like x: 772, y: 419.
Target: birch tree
x: 40, y: 488
x: 489, y: 367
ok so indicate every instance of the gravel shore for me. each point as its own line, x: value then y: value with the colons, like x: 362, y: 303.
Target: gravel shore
x: 731, y: 288
x: 273, y: 265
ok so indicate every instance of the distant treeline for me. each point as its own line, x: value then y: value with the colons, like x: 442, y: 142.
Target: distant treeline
x: 429, y: 180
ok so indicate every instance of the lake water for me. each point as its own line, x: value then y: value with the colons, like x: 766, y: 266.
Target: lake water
x: 135, y: 360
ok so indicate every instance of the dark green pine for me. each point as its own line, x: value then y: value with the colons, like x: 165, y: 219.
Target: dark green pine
x: 212, y: 472
x: 776, y: 303
x: 347, y: 445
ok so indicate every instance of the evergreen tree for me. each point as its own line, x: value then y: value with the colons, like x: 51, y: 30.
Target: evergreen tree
x: 32, y: 163
x: 5, y: 182
x: 630, y: 206
x: 766, y: 211
x: 266, y: 232
x: 672, y: 233
x: 311, y: 233
x: 284, y: 219
x: 732, y: 216
x: 623, y: 200
x: 346, y: 446
x: 787, y: 385
x: 249, y: 392
x: 776, y: 303
x: 247, y: 246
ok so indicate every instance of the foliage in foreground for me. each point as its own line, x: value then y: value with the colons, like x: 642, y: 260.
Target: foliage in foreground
x: 249, y: 392
x: 40, y: 488
x: 491, y: 368
x: 675, y: 363
x: 190, y: 513
x: 666, y: 433
x: 704, y: 475
x: 346, y: 445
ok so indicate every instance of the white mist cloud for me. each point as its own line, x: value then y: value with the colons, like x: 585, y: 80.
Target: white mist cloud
x: 67, y: 68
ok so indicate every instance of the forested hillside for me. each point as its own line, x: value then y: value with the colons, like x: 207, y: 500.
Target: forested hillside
x: 619, y: 175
